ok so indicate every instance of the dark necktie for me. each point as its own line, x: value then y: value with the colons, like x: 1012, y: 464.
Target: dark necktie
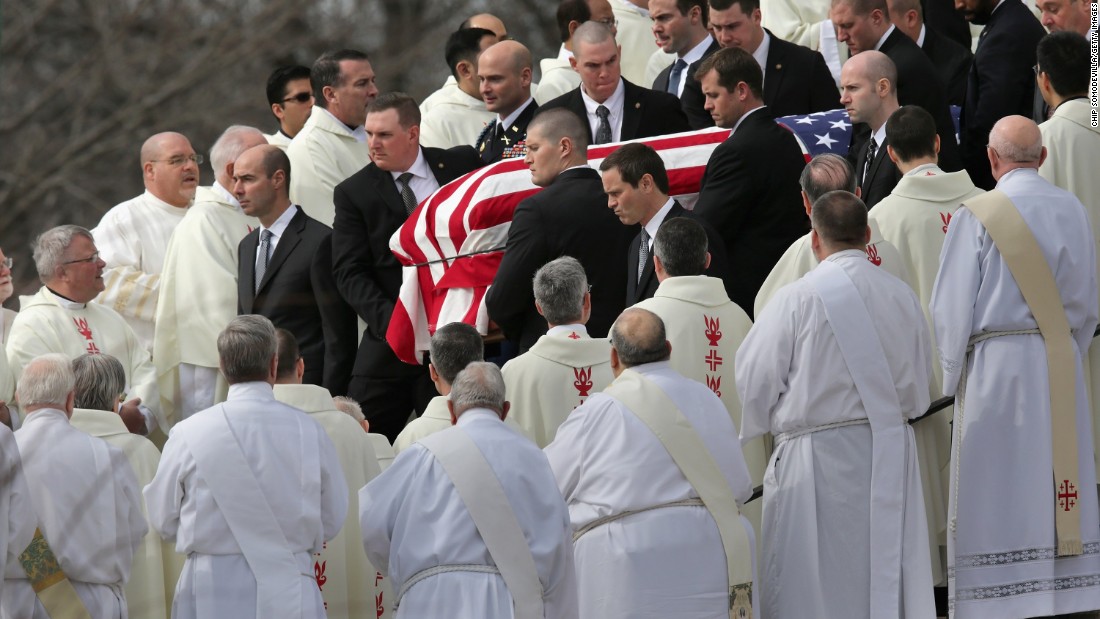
x: 263, y: 256
x: 872, y: 148
x: 407, y: 195
x: 674, y: 77
x: 643, y: 253
x: 603, y: 129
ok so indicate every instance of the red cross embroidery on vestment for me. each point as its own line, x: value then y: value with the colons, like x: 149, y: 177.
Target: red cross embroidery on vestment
x: 1067, y: 495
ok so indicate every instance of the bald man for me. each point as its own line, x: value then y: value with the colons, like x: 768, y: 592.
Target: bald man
x: 504, y: 72
x: 132, y: 237
x: 558, y: 77
x: 1022, y: 473
x: 868, y: 92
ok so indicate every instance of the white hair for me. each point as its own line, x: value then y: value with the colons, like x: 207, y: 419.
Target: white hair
x: 344, y: 404
x: 46, y: 381
x: 480, y: 385
x: 230, y: 144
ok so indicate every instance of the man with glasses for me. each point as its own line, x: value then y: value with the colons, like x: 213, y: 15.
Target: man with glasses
x: 291, y: 99
x: 133, y: 236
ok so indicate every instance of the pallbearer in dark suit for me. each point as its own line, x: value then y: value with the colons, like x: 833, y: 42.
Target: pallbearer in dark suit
x: 370, y: 206
x: 951, y: 60
x: 680, y: 27
x: 277, y: 260
x: 867, y: 93
x: 504, y: 70
x: 636, y: 184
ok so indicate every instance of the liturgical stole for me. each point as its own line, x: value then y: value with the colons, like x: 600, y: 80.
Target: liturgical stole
x: 49, y: 582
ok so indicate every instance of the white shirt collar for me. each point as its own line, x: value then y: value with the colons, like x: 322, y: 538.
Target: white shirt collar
x: 511, y: 118
x: 419, y: 168
x: 613, y: 103
x: 696, y: 53
x: 920, y: 39
x: 225, y: 195
x: 252, y: 390
x: 476, y: 413
x: 564, y: 54
x: 761, y: 53
x: 847, y: 253
x: 997, y: 7
x: 925, y: 169
x: 743, y: 117
x: 884, y: 37
x: 880, y: 135
x: 278, y: 227
x: 566, y: 330
x: 359, y: 133
x: 657, y: 219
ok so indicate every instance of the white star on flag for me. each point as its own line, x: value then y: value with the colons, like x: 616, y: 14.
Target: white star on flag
x: 840, y: 124
x: 805, y: 121
x: 825, y: 140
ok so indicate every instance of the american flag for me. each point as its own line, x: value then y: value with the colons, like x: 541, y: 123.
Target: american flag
x: 452, y: 243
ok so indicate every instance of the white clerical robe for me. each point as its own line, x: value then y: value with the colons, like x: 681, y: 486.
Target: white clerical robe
x: 665, y: 562
x: 348, y: 582
x: 382, y: 449
x: 558, y: 78
x: 1002, y: 550
x: 276, y: 440
x: 322, y: 155
x: 449, y: 85
x: 132, y: 239
x: 89, y: 510
x: 198, y: 299
x: 413, y: 520
x: 658, y: 61
x: 799, y: 260
x: 558, y: 373
x: 634, y: 33
x: 156, y: 566
x: 7, y: 379
x: 806, y: 22
x: 435, y: 418
x: 455, y: 119
x: 16, y: 511
x: 792, y: 378
x: 48, y: 323
x: 279, y: 139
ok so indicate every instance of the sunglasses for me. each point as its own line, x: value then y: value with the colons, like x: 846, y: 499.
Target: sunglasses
x: 302, y: 97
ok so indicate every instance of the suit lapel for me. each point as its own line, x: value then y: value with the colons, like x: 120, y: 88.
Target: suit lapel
x: 632, y: 270
x: 576, y: 103
x: 661, y: 83
x: 773, y: 73
x: 287, y: 242
x: 632, y: 110
x: 880, y: 154
x: 387, y: 188
x: 246, y: 291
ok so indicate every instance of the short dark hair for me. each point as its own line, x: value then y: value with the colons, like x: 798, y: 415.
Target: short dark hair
x: 635, y: 160
x: 681, y: 246
x: 453, y: 347
x: 911, y: 132
x: 288, y: 353
x: 733, y: 65
x: 279, y: 78
x: 840, y: 218
x: 326, y: 72
x: 1065, y: 58
x: 408, y: 112
x: 464, y: 45
x: 746, y: 6
x: 559, y: 122
x: 685, y: 6
x: 570, y: 11
x: 827, y: 172
x: 864, y: 7
x: 276, y: 159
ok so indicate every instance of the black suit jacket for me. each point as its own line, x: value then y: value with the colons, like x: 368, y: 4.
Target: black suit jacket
x: 941, y: 16
x: 1000, y: 83
x: 368, y: 211
x: 750, y: 194
x: 691, y: 99
x: 494, y: 146
x: 952, y: 61
x: 639, y: 290
x: 568, y: 218
x: 289, y: 295
x: 881, y: 178
x: 338, y: 319
x: 919, y: 84
x: 646, y: 113
x: 797, y: 80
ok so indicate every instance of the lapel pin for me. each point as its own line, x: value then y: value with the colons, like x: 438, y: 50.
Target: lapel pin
x: 637, y: 106
x: 778, y: 66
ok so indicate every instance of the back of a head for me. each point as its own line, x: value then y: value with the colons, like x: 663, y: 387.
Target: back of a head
x: 46, y: 382
x: 464, y: 45
x: 408, y: 112
x: 326, y: 72
x: 635, y: 160
x: 230, y: 144
x: 1065, y: 57
x: 911, y: 131
x: 840, y: 219
x: 279, y: 78
x: 1017, y: 139
x: 553, y: 124
x: 827, y: 172
x: 350, y: 407
x: 480, y: 385
x: 733, y: 65
x: 560, y: 286
x: 571, y: 11
x: 50, y: 247
x: 901, y: 7
x: 684, y: 7
x: 287, y: 348
x: 100, y: 380
x: 246, y: 348
x: 638, y: 336
x: 681, y: 246
x: 453, y: 347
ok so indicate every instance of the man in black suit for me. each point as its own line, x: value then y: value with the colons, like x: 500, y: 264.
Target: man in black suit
x: 867, y: 93
x: 680, y: 27
x: 504, y: 71
x: 614, y: 109
x: 750, y: 190
x: 1001, y: 81
x: 950, y: 59
x: 276, y: 261
x: 636, y: 184
x: 569, y: 217
x: 865, y: 25
x: 796, y: 78
x: 370, y: 206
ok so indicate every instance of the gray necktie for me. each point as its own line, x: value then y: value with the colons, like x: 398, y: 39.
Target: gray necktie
x: 872, y: 149
x: 643, y: 253
x: 603, y: 129
x: 407, y: 195
x: 263, y: 257
x: 674, y: 77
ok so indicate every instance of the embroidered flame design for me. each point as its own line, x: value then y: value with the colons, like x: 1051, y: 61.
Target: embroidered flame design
x: 946, y: 219
x: 319, y: 574
x: 715, y: 384
x: 584, y: 381
x: 714, y: 330
x: 872, y: 255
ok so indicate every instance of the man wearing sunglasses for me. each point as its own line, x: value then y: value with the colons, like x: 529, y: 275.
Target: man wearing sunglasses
x: 291, y: 99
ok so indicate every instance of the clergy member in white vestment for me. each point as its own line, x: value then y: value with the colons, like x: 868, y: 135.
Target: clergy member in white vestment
x: 457, y: 114
x: 156, y: 567
x: 198, y: 288
x: 133, y: 236
x: 914, y: 218
x: 468, y: 522
x: 1023, y: 538
x: 635, y: 38
x: 290, y: 96
x: 348, y: 582
x: 7, y: 380
x: 824, y: 173
x: 333, y: 143
x: 833, y: 368
x: 84, y: 495
x: 705, y: 326
x: 807, y: 23
x: 16, y: 511
x: 646, y: 546
x: 452, y: 348
x: 565, y: 366
x: 62, y: 318
x: 249, y: 490
x: 383, y: 450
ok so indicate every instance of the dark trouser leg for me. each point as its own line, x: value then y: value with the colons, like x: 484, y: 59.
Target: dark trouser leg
x: 388, y: 402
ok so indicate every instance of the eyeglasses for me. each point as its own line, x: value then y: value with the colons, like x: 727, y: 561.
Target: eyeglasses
x: 1037, y: 70
x: 610, y: 22
x: 91, y: 258
x: 6, y: 263
x: 302, y: 97
x: 179, y: 160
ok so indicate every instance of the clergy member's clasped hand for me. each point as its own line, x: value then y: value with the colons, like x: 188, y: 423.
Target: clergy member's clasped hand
x: 5, y: 414
x: 132, y: 417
